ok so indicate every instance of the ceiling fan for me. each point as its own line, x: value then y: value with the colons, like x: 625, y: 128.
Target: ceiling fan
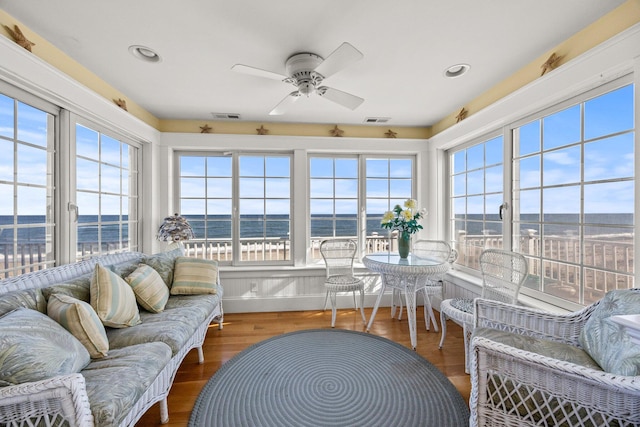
x: 306, y: 71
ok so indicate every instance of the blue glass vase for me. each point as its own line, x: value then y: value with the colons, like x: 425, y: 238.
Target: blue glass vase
x: 403, y: 246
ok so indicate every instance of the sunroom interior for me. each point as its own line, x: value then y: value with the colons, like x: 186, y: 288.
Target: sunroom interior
x: 538, y: 164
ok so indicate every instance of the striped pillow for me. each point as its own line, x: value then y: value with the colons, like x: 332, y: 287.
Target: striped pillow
x: 81, y: 320
x: 151, y: 292
x: 193, y: 276
x: 113, y: 299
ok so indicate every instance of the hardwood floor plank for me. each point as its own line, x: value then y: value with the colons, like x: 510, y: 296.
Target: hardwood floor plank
x: 241, y: 330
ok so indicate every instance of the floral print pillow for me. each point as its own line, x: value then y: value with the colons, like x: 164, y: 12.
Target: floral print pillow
x: 608, y: 342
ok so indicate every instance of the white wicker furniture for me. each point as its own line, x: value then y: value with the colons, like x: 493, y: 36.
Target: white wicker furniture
x: 503, y: 273
x: 338, y: 255
x: 513, y: 387
x: 408, y: 275
x: 64, y: 400
x: 434, y: 249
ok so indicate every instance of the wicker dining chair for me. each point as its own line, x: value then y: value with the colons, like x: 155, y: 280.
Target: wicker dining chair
x: 433, y: 249
x: 338, y: 255
x: 503, y: 273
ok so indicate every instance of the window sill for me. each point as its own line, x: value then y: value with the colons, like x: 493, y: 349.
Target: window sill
x: 474, y: 284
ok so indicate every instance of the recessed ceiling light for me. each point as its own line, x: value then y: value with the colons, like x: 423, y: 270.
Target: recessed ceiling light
x: 456, y: 70
x: 144, y: 53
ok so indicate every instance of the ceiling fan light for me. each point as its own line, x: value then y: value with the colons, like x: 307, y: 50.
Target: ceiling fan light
x: 306, y: 88
x: 456, y: 70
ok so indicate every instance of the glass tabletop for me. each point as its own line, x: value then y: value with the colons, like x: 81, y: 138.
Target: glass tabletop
x: 411, y: 260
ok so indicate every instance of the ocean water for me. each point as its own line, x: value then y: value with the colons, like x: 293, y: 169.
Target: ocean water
x: 278, y: 226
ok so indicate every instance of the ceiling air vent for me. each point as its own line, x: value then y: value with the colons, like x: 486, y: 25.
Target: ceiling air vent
x: 377, y: 119
x: 226, y: 116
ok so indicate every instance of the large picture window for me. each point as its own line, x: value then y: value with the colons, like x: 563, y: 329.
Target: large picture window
x: 570, y: 208
x: 238, y: 205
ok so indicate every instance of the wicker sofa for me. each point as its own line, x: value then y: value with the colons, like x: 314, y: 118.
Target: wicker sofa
x: 112, y: 390
x: 535, y: 368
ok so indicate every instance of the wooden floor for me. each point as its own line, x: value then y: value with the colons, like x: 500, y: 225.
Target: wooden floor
x: 242, y: 330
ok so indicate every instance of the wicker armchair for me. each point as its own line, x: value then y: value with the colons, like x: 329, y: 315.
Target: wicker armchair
x: 338, y: 256
x: 503, y: 273
x: 515, y: 387
x: 436, y: 249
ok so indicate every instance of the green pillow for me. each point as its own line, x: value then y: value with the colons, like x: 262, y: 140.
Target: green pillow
x: 151, y: 292
x: 113, y: 299
x: 194, y: 276
x: 608, y: 342
x: 79, y: 318
x: 163, y: 264
x: 34, y: 347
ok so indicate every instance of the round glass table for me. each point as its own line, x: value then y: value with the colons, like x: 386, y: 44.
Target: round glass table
x: 409, y: 275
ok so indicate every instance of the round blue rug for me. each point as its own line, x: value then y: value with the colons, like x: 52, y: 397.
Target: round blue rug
x: 329, y: 377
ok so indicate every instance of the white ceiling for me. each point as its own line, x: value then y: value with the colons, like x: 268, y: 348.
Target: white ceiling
x: 407, y: 45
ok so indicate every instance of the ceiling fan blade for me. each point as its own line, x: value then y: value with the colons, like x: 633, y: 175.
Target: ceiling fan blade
x: 339, y: 97
x: 253, y: 71
x: 284, y: 105
x: 340, y: 58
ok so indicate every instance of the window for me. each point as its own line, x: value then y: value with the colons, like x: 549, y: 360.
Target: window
x: 338, y: 194
x: 27, y: 216
x: 573, y: 173
x: 389, y: 182
x: 571, y: 196
x: 252, y: 224
x: 476, y: 197
x: 333, y: 199
x: 106, y: 193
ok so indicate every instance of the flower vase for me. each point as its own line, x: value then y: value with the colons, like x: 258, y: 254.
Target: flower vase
x: 403, y: 246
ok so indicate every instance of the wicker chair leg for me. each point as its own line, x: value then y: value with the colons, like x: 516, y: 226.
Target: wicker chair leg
x: 333, y: 309
x: 326, y: 296
x: 364, y: 318
x: 164, y: 411
x: 467, y: 338
x: 443, y: 325
x: 200, y: 355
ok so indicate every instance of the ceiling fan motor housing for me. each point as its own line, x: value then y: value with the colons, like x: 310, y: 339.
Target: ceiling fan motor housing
x: 300, y: 67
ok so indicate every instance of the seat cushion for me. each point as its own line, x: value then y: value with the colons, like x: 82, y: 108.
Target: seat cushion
x: 114, y: 383
x: 608, y: 342
x: 174, y: 326
x: 34, y: 347
x: 113, y: 299
x: 552, y: 349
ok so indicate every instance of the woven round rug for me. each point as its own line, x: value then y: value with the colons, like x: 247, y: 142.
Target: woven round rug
x: 329, y: 377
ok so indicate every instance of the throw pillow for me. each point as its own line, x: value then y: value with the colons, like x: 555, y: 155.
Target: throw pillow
x: 163, y: 264
x: 28, y: 298
x: 151, y: 292
x: 77, y: 288
x: 81, y: 320
x: 33, y: 347
x: 113, y: 299
x: 606, y: 341
x: 194, y: 276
